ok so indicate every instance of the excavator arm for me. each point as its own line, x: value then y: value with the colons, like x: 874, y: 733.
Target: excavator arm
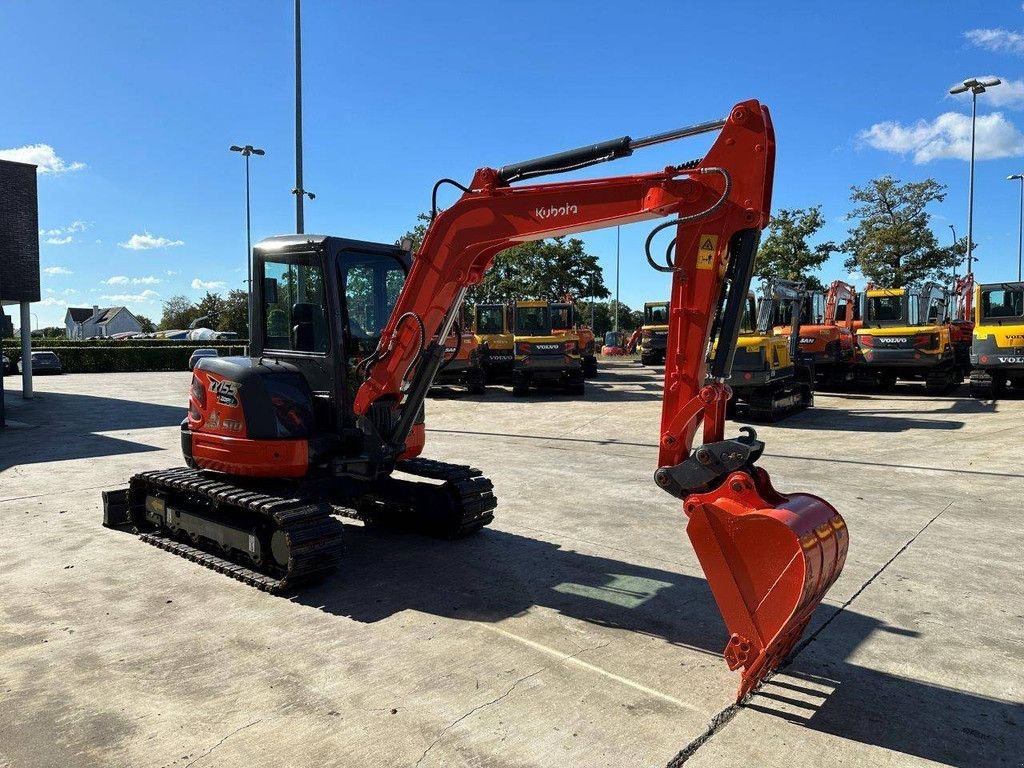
x: 769, y: 558
x: 838, y: 292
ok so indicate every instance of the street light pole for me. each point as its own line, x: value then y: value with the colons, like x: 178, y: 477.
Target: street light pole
x: 617, y: 241
x: 247, y: 151
x: 1020, y: 227
x: 955, y: 259
x: 975, y: 86
x: 300, y: 193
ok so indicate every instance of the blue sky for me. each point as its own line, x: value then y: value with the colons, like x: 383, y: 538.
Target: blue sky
x: 131, y: 113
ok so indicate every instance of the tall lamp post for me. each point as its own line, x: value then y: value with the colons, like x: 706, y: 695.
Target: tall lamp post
x: 247, y: 151
x: 975, y: 86
x: 618, y: 234
x: 300, y: 193
x: 1020, y: 228
x: 955, y: 241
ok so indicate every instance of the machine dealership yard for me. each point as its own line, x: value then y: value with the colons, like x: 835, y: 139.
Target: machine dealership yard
x: 577, y: 629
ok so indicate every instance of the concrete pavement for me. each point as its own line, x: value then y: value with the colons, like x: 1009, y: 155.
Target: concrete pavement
x: 576, y: 630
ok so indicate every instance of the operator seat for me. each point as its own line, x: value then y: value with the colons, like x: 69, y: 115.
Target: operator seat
x: 308, y: 330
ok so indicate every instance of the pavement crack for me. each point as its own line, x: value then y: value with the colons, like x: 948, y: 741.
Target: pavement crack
x: 473, y: 711
x: 810, y: 638
x: 210, y: 750
x: 723, y: 717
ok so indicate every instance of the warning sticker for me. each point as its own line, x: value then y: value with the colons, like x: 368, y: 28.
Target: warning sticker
x: 706, y: 251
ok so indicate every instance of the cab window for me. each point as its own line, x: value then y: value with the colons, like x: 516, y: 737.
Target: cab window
x: 490, y: 319
x: 656, y: 314
x: 294, y: 307
x: 533, y: 321
x: 372, y: 284
x: 560, y: 318
x: 885, y: 309
x: 1002, y: 302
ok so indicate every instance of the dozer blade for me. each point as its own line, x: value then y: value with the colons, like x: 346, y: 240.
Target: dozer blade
x: 769, y: 560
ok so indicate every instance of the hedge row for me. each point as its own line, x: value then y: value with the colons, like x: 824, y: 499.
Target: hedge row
x: 87, y: 359
x: 37, y: 343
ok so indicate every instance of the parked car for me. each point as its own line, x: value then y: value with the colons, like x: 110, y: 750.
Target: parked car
x: 198, y: 355
x: 44, y: 362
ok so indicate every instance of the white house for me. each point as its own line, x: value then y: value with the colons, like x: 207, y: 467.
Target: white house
x: 85, y: 323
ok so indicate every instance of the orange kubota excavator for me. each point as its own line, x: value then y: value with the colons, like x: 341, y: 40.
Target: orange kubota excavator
x: 325, y: 416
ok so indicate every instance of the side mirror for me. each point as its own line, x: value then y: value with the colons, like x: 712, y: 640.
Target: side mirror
x: 270, y: 290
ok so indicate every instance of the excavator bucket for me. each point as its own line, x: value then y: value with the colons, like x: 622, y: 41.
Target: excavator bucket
x: 769, y: 560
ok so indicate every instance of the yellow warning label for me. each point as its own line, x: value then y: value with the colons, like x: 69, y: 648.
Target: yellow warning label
x: 706, y: 251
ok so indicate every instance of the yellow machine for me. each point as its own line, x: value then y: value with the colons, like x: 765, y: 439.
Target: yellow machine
x: 769, y: 374
x: 906, y: 335
x: 997, y: 349
x: 564, y: 324
x: 654, y: 333
x: 493, y: 331
x: 543, y: 358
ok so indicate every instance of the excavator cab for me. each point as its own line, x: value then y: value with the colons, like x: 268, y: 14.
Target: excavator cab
x: 653, y: 339
x: 563, y: 323
x: 907, y: 335
x: 542, y: 357
x: 493, y: 332
x: 769, y: 373
x: 997, y: 351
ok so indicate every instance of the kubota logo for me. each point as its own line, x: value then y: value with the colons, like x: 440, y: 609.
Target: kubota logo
x: 556, y: 210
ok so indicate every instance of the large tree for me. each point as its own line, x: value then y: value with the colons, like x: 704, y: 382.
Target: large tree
x: 179, y: 312
x: 147, y: 325
x: 234, y: 315
x: 786, y: 252
x: 891, y: 243
x: 542, y: 269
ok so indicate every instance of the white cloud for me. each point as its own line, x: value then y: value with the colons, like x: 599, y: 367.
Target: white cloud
x: 146, y: 297
x: 69, y: 291
x: 206, y: 285
x: 996, y: 39
x: 58, y: 271
x: 53, y: 301
x: 63, y: 235
x: 1009, y: 93
x: 947, y: 136
x: 171, y: 273
x: 125, y: 280
x: 41, y: 155
x: 147, y: 242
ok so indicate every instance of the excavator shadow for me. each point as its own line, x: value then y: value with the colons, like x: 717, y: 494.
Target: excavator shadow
x: 858, y: 420
x: 59, y: 426
x: 497, y: 575
x: 824, y: 692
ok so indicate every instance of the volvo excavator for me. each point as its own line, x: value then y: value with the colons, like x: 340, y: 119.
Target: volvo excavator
x: 325, y: 417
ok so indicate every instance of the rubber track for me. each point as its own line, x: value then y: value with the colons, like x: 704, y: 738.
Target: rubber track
x: 314, y: 537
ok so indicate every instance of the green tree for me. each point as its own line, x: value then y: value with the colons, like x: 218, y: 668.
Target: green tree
x: 178, y: 312
x: 603, y: 314
x: 786, y: 253
x: 210, y: 307
x: 234, y: 315
x: 542, y: 269
x: 147, y: 325
x: 891, y: 243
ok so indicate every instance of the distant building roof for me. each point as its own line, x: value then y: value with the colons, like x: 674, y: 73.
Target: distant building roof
x: 81, y: 314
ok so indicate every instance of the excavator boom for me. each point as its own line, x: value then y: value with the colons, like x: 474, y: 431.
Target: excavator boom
x: 769, y: 558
